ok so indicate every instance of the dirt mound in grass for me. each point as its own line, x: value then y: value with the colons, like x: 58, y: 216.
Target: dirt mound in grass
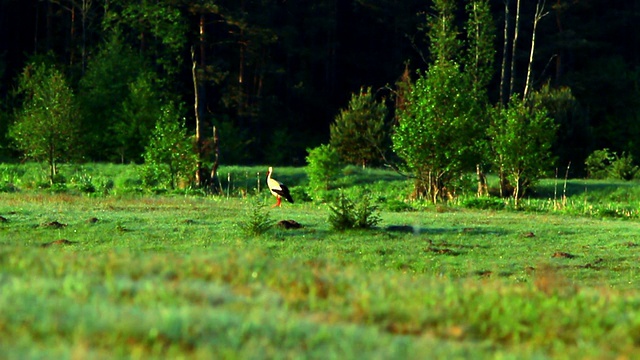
x: 289, y: 224
x: 54, y: 225
x: 58, y: 242
x: 565, y: 255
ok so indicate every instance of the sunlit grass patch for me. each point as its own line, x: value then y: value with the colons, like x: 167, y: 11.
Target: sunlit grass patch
x: 134, y: 274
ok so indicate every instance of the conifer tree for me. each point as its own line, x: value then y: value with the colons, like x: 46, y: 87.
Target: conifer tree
x: 358, y: 133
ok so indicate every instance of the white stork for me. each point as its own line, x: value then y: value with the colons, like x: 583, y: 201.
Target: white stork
x: 278, y: 189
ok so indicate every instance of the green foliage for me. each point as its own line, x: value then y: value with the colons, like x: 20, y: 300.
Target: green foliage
x: 574, y: 132
x: 605, y: 164
x: 623, y: 167
x: 136, y: 118
x: 358, y: 133
x: 598, y: 163
x: 480, y: 52
x: 163, y: 24
x: 484, y: 203
x: 346, y: 213
x: 323, y: 167
x: 521, y: 139
x: 257, y: 219
x: 342, y: 213
x: 441, y: 122
x: 45, y: 128
x: 4, y: 128
x: 169, y: 156
x: 443, y: 33
x: 103, y: 91
x: 9, y: 178
x: 438, y: 131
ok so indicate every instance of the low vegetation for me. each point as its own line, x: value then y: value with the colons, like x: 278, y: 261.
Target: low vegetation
x: 122, y: 271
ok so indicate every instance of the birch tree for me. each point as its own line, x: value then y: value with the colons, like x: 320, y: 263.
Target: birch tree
x: 45, y: 128
x: 539, y: 14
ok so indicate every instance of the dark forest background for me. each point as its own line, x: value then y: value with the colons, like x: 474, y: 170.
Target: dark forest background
x: 273, y: 74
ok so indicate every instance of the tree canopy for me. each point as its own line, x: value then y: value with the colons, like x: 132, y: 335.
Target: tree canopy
x: 45, y: 128
x: 273, y: 75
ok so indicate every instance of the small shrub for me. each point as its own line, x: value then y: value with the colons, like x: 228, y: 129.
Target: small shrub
x: 622, y: 168
x: 597, y: 163
x: 484, y: 203
x: 83, y: 182
x: 9, y: 178
x: 103, y: 185
x: 7, y: 187
x: 169, y: 155
x: 299, y: 193
x: 323, y: 167
x: 59, y: 188
x: 342, y: 213
x: 129, y: 180
x: 153, y: 175
x: 605, y: 164
x: 397, y: 206
x: 347, y: 214
x: 257, y: 220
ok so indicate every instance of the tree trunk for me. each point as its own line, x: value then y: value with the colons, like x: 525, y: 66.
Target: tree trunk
x: 49, y: 33
x: 538, y: 15
x: 196, y: 106
x: 216, y: 162
x: 516, y: 193
x: 421, y: 190
x: 483, y: 190
x: 52, y: 165
x: 72, y: 37
x: 514, y: 49
x: 504, y: 95
x: 86, y: 6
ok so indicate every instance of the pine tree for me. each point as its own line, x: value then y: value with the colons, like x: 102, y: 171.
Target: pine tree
x: 358, y: 133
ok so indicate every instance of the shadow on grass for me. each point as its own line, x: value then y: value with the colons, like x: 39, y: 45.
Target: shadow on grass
x: 550, y: 188
x: 418, y: 230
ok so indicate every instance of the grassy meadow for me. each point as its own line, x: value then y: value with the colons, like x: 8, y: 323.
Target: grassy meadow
x: 123, y: 272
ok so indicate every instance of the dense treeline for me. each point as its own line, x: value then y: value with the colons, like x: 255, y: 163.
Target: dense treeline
x: 272, y: 75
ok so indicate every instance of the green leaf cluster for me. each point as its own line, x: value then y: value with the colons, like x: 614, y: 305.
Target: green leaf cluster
x: 170, y: 155
x: 45, y: 128
x: 323, y: 167
x: 438, y: 128
x: 136, y: 118
x: 521, y: 138
x: 106, y: 100
x: 605, y: 164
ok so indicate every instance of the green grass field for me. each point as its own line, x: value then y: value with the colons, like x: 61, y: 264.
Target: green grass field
x: 136, y: 275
